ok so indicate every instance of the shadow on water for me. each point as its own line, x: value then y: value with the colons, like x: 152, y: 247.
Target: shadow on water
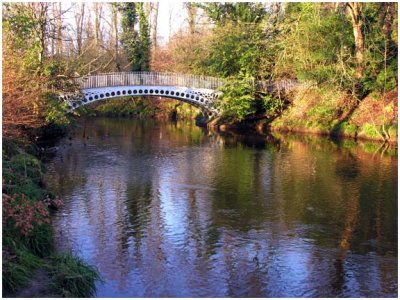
x: 168, y: 209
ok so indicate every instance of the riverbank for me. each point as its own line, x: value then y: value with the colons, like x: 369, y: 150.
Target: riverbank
x: 328, y: 112
x: 31, y: 265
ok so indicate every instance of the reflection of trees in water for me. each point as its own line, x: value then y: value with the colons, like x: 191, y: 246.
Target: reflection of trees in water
x: 138, y: 203
x: 239, y: 191
x: 241, y: 200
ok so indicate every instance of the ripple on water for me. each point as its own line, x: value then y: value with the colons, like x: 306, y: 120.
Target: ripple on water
x: 171, y: 210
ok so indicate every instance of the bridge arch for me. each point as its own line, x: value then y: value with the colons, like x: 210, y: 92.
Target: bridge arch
x: 199, y: 91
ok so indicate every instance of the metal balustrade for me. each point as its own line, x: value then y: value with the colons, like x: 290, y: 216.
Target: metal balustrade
x: 149, y: 79
x: 172, y: 79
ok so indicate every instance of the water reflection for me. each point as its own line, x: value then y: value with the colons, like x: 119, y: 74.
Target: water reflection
x: 170, y: 209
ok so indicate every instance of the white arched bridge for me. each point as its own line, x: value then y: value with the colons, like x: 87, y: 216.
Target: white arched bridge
x: 199, y: 91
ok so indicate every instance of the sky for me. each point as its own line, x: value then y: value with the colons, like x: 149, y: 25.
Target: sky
x: 170, y: 12
x: 171, y: 17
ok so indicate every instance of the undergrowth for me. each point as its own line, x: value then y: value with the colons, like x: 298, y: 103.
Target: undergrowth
x: 27, y: 235
x: 71, y: 277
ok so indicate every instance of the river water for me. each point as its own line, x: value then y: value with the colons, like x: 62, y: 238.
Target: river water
x: 168, y: 209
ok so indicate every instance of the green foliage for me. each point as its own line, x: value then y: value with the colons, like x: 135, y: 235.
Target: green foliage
x: 272, y: 105
x: 144, y: 38
x: 18, y: 264
x: 235, y: 49
x: 316, y: 45
x: 370, y: 130
x: 14, y: 275
x: 71, y: 277
x: 40, y: 240
x: 23, y: 173
x: 345, y: 128
x: 22, y: 27
x: 237, y: 101
x: 136, y: 44
x: 245, y: 12
x: 27, y: 234
x: 381, y: 48
x: 56, y: 110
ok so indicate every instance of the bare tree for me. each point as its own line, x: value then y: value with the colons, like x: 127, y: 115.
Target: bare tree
x: 97, y: 8
x: 59, y: 35
x: 79, y: 20
x: 114, y: 29
x: 191, y: 12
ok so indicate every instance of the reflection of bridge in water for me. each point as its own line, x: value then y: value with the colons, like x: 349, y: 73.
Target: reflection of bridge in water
x: 199, y: 91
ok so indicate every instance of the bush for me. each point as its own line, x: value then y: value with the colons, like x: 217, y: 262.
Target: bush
x: 238, y: 99
x: 369, y: 130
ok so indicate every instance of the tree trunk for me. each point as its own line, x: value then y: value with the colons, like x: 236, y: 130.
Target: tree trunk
x: 79, y: 27
x: 114, y: 23
x: 356, y: 20
x: 97, y: 15
x: 387, y: 11
x: 59, y: 35
x: 154, y: 25
x: 191, y: 11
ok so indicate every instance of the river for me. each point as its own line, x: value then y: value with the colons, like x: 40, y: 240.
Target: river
x: 167, y: 209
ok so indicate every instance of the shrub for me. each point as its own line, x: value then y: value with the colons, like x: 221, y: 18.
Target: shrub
x: 237, y: 101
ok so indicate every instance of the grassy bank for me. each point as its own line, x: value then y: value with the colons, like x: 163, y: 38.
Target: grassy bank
x: 326, y: 111
x: 28, y: 245
x: 331, y: 112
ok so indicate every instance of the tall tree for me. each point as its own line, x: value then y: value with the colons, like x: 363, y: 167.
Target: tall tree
x: 79, y: 21
x: 355, y: 11
x: 97, y: 8
x: 129, y: 35
x: 114, y: 29
x: 144, y: 38
x: 59, y: 35
x: 136, y: 43
x: 154, y: 24
x: 191, y: 12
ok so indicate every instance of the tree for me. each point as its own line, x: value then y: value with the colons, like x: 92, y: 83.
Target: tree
x: 79, y: 21
x: 355, y: 11
x: 144, y: 39
x: 315, y: 44
x: 191, y: 12
x: 136, y: 43
x: 97, y: 16
x: 114, y: 30
x: 154, y: 24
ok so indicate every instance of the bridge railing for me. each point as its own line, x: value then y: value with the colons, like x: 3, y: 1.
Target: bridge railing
x: 149, y: 78
x: 172, y: 79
